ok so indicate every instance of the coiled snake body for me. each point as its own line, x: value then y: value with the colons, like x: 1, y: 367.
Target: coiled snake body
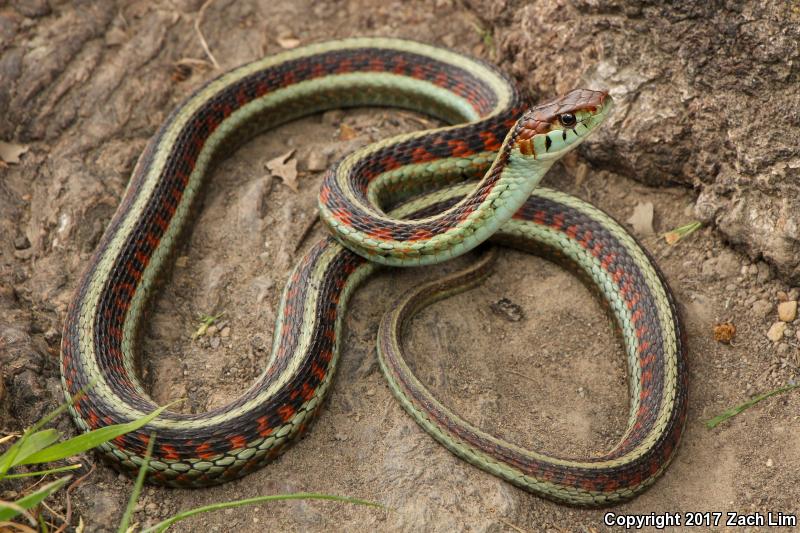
x: 493, y: 140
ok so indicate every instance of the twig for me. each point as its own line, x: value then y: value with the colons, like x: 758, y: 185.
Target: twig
x: 203, y: 43
x: 13, y: 526
x: 8, y: 437
x: 52, y: 511
x: 68, y: 514
x: 520, y: 374
x: 512, y: 526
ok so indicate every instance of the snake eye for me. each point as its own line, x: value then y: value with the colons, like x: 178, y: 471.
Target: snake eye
x: 567, y: 120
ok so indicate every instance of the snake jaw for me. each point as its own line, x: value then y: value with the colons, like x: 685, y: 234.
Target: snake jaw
x: 544, y: 133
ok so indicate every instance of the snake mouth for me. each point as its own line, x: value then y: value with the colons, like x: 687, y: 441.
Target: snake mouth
x: 550, y: 130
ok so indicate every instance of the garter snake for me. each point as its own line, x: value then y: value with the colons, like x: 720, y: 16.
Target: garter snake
x: 493, y: 138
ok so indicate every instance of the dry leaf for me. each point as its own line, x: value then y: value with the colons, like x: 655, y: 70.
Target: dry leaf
x: 285, y: 168
x: 347, y: 133
x: 642, y: 218
x: 288, y: 41
x: 10, y: 152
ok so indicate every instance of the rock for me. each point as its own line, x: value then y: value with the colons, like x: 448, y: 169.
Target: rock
x: 761, y: 308
x: 642, y: 218
x: 225, y: 332
x: 679, y: 78
x: 214, y: 285
x: 783, y: 348
x: 787, y: 311
x: 770, y: 462
x: 775, y: 332
x: 333, y: 117
x: 105, y: 510
x: 22, y: 243
x: 508, y: 310
x: 764, y: 272
x: 727, y: 264
x: 250, y: 206
x: 724, y: 265
x: 317, y: 161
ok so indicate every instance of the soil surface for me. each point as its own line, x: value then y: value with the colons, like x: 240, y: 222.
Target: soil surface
x: 549, y: 374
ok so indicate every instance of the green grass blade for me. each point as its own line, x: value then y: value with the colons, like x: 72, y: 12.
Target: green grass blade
x: 44, y: 472
x: 9, y: 459
x: 733, y: 411
x: 60, y: 409
x: 26, y: 446
x: 89, y: 440
x: 162, y: 526
x: 137, y: 487
x: 33, y: 499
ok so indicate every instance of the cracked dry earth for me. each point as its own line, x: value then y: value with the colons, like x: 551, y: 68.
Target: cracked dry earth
x: 100, y: 77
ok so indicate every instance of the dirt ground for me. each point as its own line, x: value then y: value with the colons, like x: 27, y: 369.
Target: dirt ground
x: 554, y: 380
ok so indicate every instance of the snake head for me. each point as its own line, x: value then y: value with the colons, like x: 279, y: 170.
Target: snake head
x: 550, y: 130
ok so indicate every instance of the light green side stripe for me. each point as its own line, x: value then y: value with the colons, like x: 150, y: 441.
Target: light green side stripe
x: 591, y: 266
x: 272, y: 100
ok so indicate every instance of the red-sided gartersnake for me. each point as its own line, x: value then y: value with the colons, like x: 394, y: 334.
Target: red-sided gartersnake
x: 495, y: 140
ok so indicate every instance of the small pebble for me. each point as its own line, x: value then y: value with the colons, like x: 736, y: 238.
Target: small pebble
x: 775, y: 332
x: 788, y: 332
x: 226, y: 332
x: 211, y: 331
x: 763, y: 272
x: 52, y: 336
x: 783, y: 348
x: 214, y: 342
x: 333, y: 118
x: 317, y: 161
x: 724, y: 332
x: 787, y: 311
x: 794, y: 294
x: 761, y: 308
x: 508, y: 310
x: 769, y: 462
x: 22, y: 243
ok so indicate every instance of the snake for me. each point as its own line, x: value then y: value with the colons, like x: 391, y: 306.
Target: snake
x: 410, y: 200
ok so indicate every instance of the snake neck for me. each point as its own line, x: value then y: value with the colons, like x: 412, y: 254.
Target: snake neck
x: 507, y: 178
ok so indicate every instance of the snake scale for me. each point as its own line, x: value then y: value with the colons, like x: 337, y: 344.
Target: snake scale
x: 456, y: 186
